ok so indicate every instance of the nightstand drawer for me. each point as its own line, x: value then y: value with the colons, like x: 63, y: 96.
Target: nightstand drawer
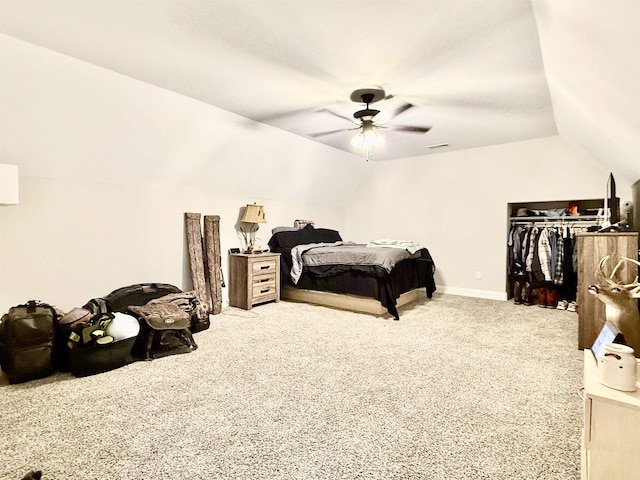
x: 268, y: 279
x: 264, y: 292
x: 260, y: 267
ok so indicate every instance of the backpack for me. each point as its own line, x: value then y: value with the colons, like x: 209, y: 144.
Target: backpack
x: 165, y: 330
x: 188, y: 301
x: 27, y: 340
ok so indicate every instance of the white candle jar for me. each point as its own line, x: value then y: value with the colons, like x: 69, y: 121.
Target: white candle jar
x: 617, y: 367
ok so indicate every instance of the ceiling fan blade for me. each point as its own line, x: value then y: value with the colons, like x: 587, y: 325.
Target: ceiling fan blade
x: 321, y: 134
x: 400, y: 109
x: 407, y: 128
x: 336, y: 114
x: 385, y: 116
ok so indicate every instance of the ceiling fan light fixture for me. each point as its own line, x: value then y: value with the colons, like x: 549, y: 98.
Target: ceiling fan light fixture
x: 358, y: 140
x: 366, y: 140
x: 372, y: 139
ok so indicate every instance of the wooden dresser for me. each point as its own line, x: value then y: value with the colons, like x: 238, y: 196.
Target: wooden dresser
x: 592, y: 247
x: 253, y: 279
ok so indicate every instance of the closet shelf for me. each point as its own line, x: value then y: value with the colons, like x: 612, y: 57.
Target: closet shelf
x: 560, y: 218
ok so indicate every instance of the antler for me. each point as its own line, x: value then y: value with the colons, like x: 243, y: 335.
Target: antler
x: 609, y: 279
x: 600, y: 271
x: 631, y: 260
x: 615, y: 269
x: 634, y: 284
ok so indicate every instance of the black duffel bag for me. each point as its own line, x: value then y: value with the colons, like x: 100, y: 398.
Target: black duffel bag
x: 102, y: 343
x: 97, y: 357
x: 139, y: 294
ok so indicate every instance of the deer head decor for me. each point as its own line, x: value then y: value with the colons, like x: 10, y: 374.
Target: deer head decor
x: 621, y: 304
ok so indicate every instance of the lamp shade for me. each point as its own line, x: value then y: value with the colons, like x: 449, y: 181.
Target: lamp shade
x: 254, y: 214
x: 9, y: 184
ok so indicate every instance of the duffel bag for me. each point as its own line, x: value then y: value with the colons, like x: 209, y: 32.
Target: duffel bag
x: 78, y: 327
x: 99, y: 357
x: 67, y: 325
x: 105, y: 343
x: 27, y: 339
x: 121, y: 299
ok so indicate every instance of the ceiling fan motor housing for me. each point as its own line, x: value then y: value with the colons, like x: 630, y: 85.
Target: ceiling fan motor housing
x: 367, y: 95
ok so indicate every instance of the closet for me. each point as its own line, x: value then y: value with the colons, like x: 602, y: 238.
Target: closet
x: 553, y: 251
x: 542, y: 266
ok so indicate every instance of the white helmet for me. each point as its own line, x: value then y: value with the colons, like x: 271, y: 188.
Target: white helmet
x: 122, y: 326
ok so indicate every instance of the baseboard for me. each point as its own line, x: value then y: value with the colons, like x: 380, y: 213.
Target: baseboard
x: 469, y: 292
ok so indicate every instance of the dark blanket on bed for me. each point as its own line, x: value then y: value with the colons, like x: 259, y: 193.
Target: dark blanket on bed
x: 364, y: 280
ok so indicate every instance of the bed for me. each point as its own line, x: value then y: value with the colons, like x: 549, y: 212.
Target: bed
x: 317, y: 266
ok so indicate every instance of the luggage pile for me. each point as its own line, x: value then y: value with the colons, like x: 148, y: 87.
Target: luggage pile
x: 138, y: 322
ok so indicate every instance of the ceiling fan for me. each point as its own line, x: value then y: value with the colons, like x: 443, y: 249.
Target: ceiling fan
x: 368, y: 120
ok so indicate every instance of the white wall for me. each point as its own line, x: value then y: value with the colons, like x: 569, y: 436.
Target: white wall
x: 108, y: 166
x: 456, y: 204
x: 69, y: 241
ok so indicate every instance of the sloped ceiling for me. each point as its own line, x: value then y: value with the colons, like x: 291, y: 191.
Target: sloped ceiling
x: 473, y: 70
x: 590, y: 51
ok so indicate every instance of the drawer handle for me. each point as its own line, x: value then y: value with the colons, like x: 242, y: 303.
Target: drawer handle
x: 265, y: 291
x: 262, y: 280
x: 264, y: 267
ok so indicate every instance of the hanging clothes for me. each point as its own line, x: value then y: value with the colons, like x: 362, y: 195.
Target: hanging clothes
x: 558, y: 272
x: 544, y: 255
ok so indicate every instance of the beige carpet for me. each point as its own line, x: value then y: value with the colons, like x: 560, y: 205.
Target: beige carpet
x: 459, y: 388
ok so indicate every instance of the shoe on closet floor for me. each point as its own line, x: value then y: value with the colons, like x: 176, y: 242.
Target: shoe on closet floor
x: 552, y: 298
x: 527, y: 295
x: 562, y: 305
x: 572, y: 307
x: 517, y: 293
x: 542, y: 297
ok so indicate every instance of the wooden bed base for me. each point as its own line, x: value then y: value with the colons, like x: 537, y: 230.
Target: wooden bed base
x: 348, y: 302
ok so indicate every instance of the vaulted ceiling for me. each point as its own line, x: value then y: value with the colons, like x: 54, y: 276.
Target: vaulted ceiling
x: 478, y: 72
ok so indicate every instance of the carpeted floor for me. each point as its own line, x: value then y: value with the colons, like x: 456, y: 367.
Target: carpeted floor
x: 459, y: 388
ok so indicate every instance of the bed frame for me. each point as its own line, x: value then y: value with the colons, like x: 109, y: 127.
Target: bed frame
x: 352, y: 303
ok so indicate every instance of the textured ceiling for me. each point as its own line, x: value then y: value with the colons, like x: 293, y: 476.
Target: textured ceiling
x: 472, y: 69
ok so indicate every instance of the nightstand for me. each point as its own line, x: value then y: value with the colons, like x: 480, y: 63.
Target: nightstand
x: 253, y: 279
x: 611, y: 432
